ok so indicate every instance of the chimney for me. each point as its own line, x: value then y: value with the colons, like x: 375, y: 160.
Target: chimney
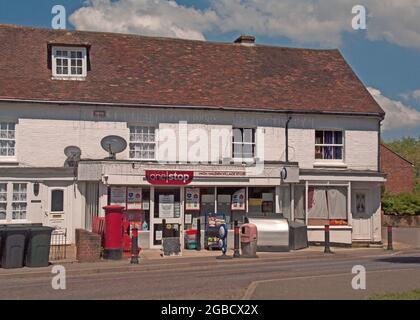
x: 246, y: 40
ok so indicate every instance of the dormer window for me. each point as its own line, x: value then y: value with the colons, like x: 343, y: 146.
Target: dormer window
x: 69, y: 63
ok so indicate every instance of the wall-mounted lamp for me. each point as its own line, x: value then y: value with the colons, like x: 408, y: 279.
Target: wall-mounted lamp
x: 36, y: 189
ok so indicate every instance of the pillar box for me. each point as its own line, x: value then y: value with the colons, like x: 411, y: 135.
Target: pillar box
x: 113, y: 233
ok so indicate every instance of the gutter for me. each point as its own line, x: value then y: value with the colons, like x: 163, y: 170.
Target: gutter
x: 237, y: 109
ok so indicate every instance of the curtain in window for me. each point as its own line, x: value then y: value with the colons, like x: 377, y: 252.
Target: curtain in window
x: 300, y: 202
x: 337, y: 203
x: 318, y: 207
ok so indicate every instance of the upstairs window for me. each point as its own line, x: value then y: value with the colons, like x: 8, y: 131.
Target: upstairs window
x: 7, y: 139
x: 329, y: 145
x: 243, y: 143
x: 69, y: 62
x: 142, y: 143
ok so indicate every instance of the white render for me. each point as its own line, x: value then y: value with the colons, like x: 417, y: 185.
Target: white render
x: 44, y: 130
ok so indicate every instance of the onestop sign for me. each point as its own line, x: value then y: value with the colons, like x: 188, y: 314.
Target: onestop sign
x: 169, y: 177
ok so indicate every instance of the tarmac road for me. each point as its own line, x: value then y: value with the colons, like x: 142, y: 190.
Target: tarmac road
x: 274, y: 276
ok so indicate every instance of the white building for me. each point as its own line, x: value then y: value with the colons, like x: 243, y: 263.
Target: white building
x: 245, y: 103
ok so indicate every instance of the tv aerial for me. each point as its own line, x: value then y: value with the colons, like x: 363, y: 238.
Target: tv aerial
x: 73, y: 154
x: 113, y: 145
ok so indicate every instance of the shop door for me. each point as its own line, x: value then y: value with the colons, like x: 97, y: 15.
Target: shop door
x: 167, y: 207
x: 362, y: 219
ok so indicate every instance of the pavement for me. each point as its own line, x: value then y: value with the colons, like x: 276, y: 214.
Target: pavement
x: 305, y: 274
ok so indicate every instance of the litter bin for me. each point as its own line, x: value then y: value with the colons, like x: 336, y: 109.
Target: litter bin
x: 298, y: 236
x: 38, y: 248
x: 249, y: 240
x: 13, y: 252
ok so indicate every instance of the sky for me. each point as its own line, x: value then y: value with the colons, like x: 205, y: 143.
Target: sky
x: 385, y: 55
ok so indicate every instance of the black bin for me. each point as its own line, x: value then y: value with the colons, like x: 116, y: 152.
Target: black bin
x: 13, y: 246
x: 1, y: 243
x: 298, y: 236
x: 38, y: 247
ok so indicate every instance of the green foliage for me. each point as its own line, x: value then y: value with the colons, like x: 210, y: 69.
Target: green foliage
x: 406, y: 203
x: 409, y: 148
x: 411, y: 295
x: 402, y: 204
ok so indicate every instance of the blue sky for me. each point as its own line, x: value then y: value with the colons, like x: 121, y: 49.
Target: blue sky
x: 383, y: 62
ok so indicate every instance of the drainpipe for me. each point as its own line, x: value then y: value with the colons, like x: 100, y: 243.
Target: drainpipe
x: 379, y: 145
x: 287, y: 138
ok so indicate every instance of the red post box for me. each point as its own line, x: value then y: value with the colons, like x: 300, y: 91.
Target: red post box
x: 113, y: 232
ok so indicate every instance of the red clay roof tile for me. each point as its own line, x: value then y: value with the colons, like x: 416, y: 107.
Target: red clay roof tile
x: 131, y: 69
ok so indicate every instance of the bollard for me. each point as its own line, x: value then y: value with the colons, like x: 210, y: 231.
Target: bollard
x: 134, y: 245
x: 390, y: 246
x: 198, y: 248
x: 236, y: 240
x: 327, y: 239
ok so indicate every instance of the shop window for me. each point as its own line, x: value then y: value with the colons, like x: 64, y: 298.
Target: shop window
x: 167, y: 203
x: 329, y: 145
x: 198, y: 210
x: 243, y: 143
x: 327, y: 205
x: 285, y: 200
x: 142, y: 143
x: 57, y: 200
x: 7, y: 139
x: 136, y: 201
x: 261, y: 201
x: 232, y: 203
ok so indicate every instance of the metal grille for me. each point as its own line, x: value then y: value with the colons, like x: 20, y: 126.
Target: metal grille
x: 58, y: 250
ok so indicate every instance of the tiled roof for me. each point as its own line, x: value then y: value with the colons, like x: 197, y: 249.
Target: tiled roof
x: 138, y: 70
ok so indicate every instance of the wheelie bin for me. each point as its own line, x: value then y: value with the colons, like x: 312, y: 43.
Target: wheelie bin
x: 38, y: 246
x: 13, y: 248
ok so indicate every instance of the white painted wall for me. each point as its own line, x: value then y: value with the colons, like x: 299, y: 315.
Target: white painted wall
x: 43, y: 131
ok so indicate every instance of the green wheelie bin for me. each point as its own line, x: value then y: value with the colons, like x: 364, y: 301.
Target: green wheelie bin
x: 38, y: 246
x: 13, y: 246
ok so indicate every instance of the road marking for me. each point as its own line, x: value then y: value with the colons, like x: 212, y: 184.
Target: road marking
x: 251, y: 288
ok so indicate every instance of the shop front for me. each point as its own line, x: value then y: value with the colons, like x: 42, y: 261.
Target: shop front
x: 180, y: 199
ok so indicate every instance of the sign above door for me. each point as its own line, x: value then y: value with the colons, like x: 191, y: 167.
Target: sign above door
x: 169, y: 177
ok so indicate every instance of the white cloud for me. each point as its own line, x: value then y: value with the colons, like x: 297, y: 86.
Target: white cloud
x: 397, y: 115
x: 414, y: 95
x: 153, y: 18
x: 305, y: 21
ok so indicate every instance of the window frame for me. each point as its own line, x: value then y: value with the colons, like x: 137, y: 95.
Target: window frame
x: 138, y: 142
x: 10, y: 202
x: 68, y: 76
x: 14, y: 139
x: 242, y: 143
x: 342, y: 145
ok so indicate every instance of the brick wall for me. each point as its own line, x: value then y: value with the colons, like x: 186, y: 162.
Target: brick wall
x: 400, y: 172
x: 88, y: 246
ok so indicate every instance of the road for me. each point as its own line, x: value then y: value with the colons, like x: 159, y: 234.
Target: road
x: 276, y: 276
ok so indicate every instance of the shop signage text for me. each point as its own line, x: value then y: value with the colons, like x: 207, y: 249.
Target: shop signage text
x: 168, y: 177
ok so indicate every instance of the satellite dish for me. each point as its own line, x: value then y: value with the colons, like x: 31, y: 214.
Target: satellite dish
x: 114, y: 145
x: 73, y: 154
